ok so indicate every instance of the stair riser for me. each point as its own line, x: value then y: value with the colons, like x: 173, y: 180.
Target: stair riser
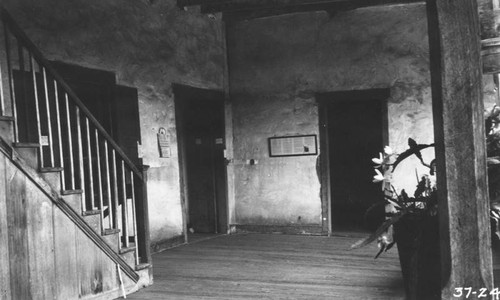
x: 30, y: 156
x: 129, y: 257
x: 112, y: 241
x: 53, y: 179
x: 93, y: 221
x: 75, y: 201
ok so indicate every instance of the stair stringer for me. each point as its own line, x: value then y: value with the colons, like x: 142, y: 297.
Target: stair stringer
x: 62, y: 211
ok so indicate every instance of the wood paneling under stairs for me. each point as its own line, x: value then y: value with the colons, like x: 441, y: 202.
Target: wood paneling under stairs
x: 49, y: 257
x: 272, y: 266
x: 4, y: 237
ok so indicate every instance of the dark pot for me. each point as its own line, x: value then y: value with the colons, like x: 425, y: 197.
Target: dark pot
x: 417, y: 239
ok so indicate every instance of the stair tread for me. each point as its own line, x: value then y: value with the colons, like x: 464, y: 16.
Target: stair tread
x: 142, y: 266
x: 70, y: 192
x: 91, y: 212
x: 51, y: 169
x: 110, y: 231
x: 6, y: 118
x: 127, y: 249
x: 26, y: 145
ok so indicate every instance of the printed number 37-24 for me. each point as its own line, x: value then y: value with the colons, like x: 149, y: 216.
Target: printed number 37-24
x: 481, y: 293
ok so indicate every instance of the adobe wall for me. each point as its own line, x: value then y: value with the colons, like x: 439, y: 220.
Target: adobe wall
x: 276, y: 65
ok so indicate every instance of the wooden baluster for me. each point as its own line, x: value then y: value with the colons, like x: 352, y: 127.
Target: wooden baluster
x: 91, y: 178
x: 115, y: 191
x: 134, y: 224
x: 108, y: 184
x: 11, y: 82
x: 99, y: 178
x: 37, y: 111
x: 80, y: 157
x: 125, y: 207
x: 2, y: 70
x: 70, y: 143
x: 58, y: 118
x: 20, y: 54
x: 49, y: 120
x: 23, y: 98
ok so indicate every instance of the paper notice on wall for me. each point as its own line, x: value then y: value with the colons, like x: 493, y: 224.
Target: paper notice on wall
x: 293, y: 145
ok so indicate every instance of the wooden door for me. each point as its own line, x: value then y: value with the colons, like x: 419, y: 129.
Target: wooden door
x: 200, y: 117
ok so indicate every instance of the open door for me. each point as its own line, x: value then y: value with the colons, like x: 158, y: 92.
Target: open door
x: 201, y: 133
x: 354, y: 130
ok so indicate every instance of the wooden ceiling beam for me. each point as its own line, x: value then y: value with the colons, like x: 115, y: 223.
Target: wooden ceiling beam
x: 184, y: 3
x: 236, y: 13
x: 243, y: 15
x: 293, y: 4
x: 238, y: 10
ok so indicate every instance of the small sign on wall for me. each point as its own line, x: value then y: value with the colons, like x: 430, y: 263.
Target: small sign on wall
x: 293, y: 145
x: 163, y: 142
x: 44, y: 140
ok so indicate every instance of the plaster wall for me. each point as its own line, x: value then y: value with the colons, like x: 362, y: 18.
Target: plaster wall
x: 149, y: 45
x: 276, y: 65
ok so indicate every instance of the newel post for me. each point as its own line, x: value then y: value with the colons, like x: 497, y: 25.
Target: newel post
x: 143, y: 218
x: 456, y: 78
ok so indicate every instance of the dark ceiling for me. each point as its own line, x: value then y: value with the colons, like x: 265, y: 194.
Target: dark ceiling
x: 237, y: 10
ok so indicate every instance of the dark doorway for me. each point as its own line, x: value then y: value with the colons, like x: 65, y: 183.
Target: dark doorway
x: 96, y: 89
x: 354, y: 132
x: 114, y: 106
x: 201, y: 133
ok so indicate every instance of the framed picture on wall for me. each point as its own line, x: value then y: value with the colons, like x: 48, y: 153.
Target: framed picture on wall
x: 297, y: 145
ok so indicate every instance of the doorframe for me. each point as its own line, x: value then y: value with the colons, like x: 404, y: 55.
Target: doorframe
x: 179, y: 107
x: 323, y: 100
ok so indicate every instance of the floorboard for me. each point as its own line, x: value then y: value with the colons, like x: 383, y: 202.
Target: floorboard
x: 273, y: 266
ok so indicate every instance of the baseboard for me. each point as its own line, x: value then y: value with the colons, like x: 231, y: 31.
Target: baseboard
x: 107, y: 295
x: 167, y: 243
x: 308, y: 229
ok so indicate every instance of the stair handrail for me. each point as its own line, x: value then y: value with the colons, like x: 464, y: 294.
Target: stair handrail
x: 19, y: 33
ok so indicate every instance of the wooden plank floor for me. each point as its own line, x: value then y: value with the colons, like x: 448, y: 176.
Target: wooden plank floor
x: 273, y: 266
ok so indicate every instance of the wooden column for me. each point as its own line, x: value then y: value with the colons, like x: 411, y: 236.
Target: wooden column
x: 456, y: 74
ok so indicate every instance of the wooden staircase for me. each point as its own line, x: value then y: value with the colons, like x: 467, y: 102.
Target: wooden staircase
x: 49, y: 134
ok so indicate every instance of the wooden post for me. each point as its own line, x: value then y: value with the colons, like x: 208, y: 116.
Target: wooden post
x: 456, y: 74
x: 142, y: 217
x: 326, y: 203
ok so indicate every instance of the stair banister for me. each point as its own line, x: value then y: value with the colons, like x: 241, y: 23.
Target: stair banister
x: 112, y: 175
